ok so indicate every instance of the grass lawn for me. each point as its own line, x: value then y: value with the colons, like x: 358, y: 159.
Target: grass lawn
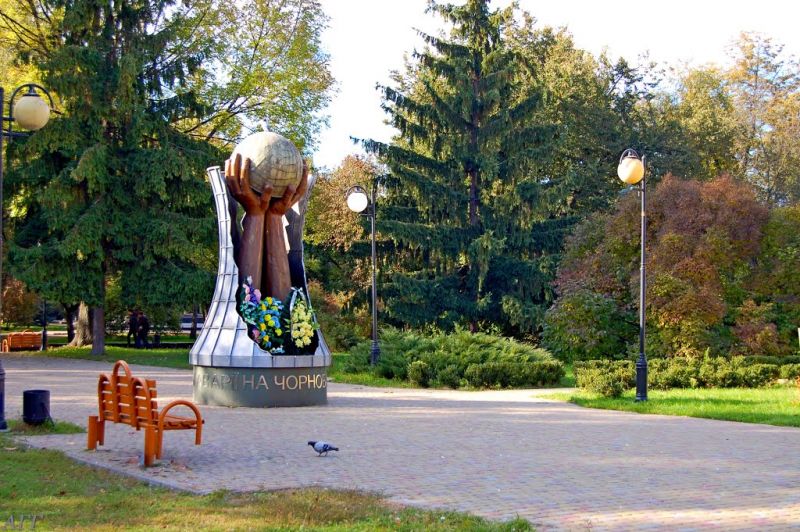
x: 66, y: 495
x: 17, y: 426
x: 779, y: 405
x: 165, y: 357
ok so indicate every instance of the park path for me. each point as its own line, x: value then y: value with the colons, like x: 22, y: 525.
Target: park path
x: 497, y: 454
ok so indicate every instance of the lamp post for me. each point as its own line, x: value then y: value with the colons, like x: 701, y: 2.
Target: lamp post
x: 358, y: 201
x: 631, y: 170
x: 32, y: 113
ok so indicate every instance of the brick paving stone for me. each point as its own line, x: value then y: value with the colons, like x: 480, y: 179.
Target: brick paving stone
x: 498, y: 454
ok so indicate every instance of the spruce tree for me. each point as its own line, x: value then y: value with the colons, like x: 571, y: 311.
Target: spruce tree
x: 109, y: 191
x: 472, y: 224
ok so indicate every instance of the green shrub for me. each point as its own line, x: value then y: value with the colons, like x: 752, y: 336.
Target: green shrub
x: 608, y: 378
x: 790, y: 371
x: 663, y: 373
x: 585, y: 325
x: 449, y: 376
x: 666, y: 373
x: 419, y: 373
x: 779, y: 361
x: 447, y: 358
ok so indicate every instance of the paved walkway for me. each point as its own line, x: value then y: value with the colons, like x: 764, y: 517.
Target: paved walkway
x: 495, y: 454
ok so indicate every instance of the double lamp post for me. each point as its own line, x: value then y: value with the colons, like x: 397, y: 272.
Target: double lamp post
x: 31, y: 113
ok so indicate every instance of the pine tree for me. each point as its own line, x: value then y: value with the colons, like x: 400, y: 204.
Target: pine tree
x: 473, y: 224
x: 109, y: 192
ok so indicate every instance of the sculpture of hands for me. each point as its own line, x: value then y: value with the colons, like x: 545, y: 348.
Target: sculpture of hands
x: 237, y: 176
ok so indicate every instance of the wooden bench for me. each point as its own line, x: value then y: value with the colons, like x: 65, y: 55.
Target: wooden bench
x: 132, y: 401
x: 25, y: 340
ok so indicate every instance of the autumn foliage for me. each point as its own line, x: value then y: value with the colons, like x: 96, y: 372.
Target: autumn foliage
x: 716, y: 268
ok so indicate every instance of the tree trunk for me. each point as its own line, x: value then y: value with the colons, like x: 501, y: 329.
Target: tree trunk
x: 98, y: 331
x: 193, y: 332
x: 83, y: 327
x: 70, y: 312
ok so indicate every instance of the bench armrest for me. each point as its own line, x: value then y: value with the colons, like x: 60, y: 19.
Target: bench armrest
x: 180, y: 402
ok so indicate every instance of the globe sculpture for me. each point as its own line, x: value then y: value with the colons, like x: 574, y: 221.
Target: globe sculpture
x: 274, y: 160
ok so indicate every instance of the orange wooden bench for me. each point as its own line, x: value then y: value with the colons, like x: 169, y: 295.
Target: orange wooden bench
x: 25, y: 340
x: 132, y: 401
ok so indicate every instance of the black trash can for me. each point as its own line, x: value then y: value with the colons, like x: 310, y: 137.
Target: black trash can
x: 35, y: 406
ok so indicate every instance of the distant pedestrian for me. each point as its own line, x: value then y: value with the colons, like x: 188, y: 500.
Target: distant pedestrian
x: 133, y: 327
x: 144, y: 330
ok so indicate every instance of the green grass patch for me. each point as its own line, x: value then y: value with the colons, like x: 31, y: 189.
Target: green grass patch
x: 162, y: 357
x: 66, y: 495
x: 17, y: 426
x: 770, y: 406
x: 568, y: 380
x: 337, y: 374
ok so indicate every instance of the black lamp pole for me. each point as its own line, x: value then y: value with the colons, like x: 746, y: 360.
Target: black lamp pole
x: 375, y: 352
x: 632, y: 170
x: 641, y: 363
x: 7, y: 131
x: 358, y: 201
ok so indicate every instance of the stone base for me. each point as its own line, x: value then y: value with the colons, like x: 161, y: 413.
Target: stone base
x: 260, y: 387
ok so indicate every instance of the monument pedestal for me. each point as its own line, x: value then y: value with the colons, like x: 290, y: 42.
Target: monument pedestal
x: 260, y: 387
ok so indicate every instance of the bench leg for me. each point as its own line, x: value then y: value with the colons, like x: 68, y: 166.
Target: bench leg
x: 159, y: 443
x: 150, y: 446
x: 91, y: 429
x: 96, y: 429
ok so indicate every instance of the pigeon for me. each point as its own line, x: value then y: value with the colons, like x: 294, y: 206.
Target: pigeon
x: 322, y: 447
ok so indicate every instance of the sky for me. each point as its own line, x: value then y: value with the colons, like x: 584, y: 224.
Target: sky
x: 367, y: 39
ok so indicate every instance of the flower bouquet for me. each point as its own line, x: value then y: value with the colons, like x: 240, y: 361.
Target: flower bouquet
x: 263, y: 316
x: 302, y: 321
x: 268, y: 318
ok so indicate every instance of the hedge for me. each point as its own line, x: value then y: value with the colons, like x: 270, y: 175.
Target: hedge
x: 611, y: 378
x: 455, y: 360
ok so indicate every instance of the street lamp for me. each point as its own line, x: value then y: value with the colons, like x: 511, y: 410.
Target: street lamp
x: 358, y: 201
x: 31, y: 113
x: 631, y: 170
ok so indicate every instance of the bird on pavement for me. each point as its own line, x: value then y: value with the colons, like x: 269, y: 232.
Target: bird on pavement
x: 322, y: 447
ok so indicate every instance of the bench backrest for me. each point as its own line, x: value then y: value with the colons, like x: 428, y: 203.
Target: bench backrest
x: 123, y: 398
x: 23, y: 339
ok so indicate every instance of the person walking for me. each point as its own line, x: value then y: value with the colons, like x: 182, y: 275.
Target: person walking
x: 133, y: 327
x: 144, y: 329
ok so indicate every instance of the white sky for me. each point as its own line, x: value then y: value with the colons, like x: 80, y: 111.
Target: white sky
x: 367, y: 39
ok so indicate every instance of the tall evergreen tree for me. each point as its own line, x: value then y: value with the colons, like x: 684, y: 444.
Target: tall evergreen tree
x: 109, y: 191
x: 473, y: 222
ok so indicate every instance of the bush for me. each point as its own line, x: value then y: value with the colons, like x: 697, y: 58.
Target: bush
x: 777, y: 360
x: 790, y: 371
x: 608, y: 378
x: 419, y: 373
x: 681, y: 372
x: 499, y: 362
x: 666, y: 373
x: 586, y: 326
x: 450, y: 376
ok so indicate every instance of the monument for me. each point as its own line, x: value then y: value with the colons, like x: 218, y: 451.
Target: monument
x: 260, y: 345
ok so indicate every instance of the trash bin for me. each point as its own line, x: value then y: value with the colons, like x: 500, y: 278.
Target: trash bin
x: 35, y: 406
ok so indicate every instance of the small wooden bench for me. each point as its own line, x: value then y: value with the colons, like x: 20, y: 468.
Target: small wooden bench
x: 132, y: 401
x: 25, y: 340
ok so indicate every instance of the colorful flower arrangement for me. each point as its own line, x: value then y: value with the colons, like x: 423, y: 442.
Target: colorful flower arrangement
x: 264, y: 318
x: 267, y: 318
